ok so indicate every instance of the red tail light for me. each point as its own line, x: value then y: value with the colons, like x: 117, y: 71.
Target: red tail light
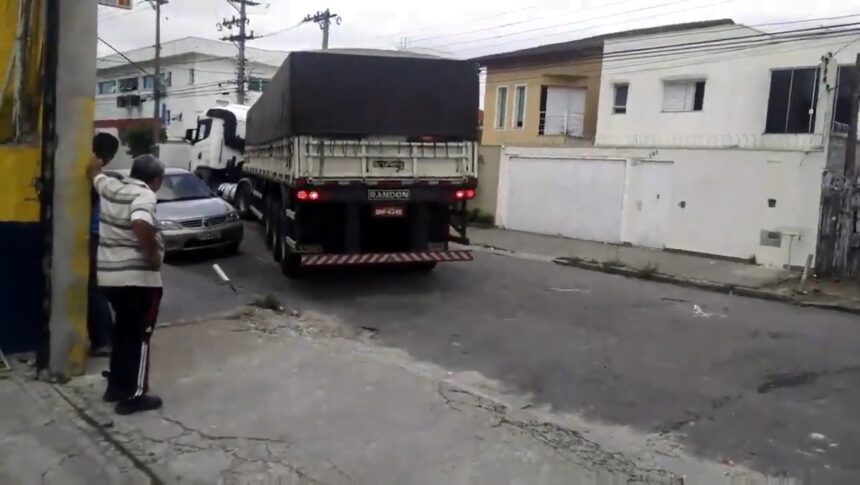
x: 465, y: 194
x: 311, y: 195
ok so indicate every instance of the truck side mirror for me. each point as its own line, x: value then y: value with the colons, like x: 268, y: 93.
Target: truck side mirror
x: 190, y: 135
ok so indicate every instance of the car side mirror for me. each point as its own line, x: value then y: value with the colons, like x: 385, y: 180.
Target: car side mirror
x: 190, y: 135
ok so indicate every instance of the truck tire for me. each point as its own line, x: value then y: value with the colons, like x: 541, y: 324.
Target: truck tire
x: 425, y: 267
x: 242, y: 201
x: 268, y: 221
x: 291, y: 263
x: 277, y: 230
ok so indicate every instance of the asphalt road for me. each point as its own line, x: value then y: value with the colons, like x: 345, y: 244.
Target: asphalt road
x: 738, y: 380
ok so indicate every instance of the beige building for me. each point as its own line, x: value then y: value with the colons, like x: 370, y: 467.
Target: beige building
x: 543, y: 96
x: 548, y: 96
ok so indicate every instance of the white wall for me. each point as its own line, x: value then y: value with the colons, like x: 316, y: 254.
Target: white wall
x: 736, y: 92
x: 186, y: 101
x: 577, y: 198
x: 724, y: 194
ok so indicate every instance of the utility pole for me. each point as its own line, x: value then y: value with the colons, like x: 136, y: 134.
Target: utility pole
x: 239, y: 40
x: 844, y: 262
x: 156, y: 79
x: 323, y: 19
x: 851, y: 142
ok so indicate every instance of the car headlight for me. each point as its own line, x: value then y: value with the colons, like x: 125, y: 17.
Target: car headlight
x: 233, y: 216
x: 169, y: 226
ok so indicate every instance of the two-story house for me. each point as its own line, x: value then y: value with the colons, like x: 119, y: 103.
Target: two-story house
x: 545, y: 96
x: 708, y: 140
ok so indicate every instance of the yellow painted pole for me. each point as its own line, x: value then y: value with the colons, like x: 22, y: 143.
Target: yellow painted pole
x: 76, y: 78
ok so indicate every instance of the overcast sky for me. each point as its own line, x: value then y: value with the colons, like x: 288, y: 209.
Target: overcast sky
x: 457, y: 28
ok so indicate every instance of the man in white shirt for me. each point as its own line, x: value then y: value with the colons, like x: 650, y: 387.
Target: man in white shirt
x: 129, y: 273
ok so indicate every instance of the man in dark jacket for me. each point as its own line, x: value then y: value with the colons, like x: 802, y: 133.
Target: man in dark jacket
x: 99, y: 319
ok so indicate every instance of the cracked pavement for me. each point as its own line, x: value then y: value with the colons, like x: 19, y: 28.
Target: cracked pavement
x: 42, y: 441
x: 277, y: 398
x: 477, y: 373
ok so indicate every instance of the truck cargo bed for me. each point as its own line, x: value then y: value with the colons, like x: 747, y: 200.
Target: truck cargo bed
x: 316, y: 159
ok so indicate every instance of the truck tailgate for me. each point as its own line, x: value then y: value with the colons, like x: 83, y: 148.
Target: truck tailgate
x: 369, y: 159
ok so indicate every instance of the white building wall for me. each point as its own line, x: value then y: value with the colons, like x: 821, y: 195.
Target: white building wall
x: 203, y: 74
x: 213, y: 83
x: 733, y: 190
x: 736, y: 91
x: 718, y: 199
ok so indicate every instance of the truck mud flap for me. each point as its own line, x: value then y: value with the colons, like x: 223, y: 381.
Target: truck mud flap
x: 385, y: 258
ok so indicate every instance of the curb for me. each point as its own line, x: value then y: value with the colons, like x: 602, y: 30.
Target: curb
x: 702, y: 285
x: 103, y: 430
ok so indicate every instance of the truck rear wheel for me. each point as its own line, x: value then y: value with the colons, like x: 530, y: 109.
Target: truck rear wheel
x: 277, y: 230
x: 290, y: 262
x: 425, y: 267
x: 268, y: 221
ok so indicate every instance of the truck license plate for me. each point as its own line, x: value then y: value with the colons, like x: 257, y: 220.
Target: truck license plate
x: 381, y: 194
x: 388, y: 211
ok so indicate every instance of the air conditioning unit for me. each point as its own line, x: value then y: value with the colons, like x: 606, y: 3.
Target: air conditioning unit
x: 128, y: 101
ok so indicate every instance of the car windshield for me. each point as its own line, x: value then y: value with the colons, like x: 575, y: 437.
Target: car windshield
x: 184, y: 186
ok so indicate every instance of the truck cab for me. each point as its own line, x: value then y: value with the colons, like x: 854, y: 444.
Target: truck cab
x: 218, y: 144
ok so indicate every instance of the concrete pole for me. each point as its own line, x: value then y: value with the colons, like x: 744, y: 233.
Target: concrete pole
x: 851, y: 141
x: 326, y: 24
x: 240, y: 81
x: 76, y: 78
x: 156, y: 80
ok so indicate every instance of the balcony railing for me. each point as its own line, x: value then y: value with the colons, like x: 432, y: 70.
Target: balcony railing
x: 567, y: 124
x: 840, y: 129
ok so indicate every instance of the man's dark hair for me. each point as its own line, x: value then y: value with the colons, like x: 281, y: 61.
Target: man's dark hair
x: 105, y: 147
x: 146, y: 168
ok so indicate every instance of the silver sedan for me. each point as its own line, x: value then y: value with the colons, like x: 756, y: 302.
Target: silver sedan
x: 192, y: 217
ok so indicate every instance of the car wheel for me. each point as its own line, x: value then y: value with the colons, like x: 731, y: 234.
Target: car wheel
x: 233, y: 248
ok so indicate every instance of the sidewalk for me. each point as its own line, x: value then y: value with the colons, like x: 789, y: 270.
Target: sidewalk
x: 713, y: 274
x: 254, y: 396
x: 43, y: 441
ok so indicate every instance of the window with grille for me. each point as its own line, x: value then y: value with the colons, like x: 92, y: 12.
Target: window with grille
x: 686, y: 95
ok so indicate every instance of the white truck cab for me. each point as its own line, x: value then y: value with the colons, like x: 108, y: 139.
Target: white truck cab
x: 218, y: 144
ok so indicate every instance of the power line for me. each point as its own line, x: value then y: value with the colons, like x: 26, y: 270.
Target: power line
x: 423, y: 29
x: 286, y: 29
x: 846, y: 46
x: 603, y: 17
x: 519, y: 22
x: 632, y: 54
x: 123, y: 56
x: 717, y: 30
x: 619, y: 69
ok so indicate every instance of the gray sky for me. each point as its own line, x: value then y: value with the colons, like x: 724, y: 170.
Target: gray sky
x: 458, y: 28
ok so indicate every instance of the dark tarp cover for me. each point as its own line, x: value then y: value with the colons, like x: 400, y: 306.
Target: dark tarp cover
x: 357, y: 94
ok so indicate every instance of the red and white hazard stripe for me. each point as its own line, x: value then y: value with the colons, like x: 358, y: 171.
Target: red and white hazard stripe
x: 385, y: 258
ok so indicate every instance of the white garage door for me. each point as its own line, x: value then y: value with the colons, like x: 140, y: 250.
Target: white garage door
x: 577, y: 198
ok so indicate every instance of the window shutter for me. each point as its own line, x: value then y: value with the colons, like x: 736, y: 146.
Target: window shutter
x: 677, y: 96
